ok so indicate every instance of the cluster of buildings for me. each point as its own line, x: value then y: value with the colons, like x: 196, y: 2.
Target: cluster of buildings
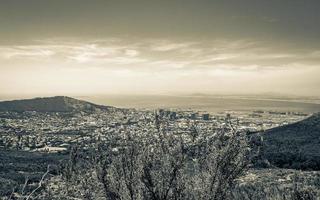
x: 58, y: 131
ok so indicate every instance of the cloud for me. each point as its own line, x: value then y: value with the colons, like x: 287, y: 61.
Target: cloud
x: 97, y: 54
x: 131, y: 52
x: 25, y: 52
x: 130, y: 65
x: 161, y: 55
x: 165, y: 45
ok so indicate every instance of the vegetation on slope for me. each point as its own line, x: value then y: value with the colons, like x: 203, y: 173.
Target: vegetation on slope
x: 295, y: 146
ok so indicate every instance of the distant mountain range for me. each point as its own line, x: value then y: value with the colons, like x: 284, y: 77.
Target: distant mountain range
x: 295, y: 145
x: 50, y: 104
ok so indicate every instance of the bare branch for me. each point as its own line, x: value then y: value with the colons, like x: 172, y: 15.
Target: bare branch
x: 40, y: 183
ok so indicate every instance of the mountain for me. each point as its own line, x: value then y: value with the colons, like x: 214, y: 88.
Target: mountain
x: 295, y: 145
x: 50, y: 104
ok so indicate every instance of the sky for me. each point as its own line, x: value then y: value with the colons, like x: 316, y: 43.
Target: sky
x: 81, y: 47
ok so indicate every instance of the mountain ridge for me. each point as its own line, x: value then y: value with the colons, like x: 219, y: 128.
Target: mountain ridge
x: 50, y: 104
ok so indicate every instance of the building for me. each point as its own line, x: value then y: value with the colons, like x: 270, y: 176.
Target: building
x: 206, y: 116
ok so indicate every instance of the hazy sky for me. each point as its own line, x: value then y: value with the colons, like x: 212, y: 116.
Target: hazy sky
x: 68, y: 47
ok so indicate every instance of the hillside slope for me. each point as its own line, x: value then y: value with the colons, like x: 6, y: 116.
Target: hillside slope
x: 50, y: 104
x: 295, y: 145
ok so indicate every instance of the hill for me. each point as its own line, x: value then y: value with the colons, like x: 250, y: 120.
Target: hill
x: 295, y: 145
x: 50, y: 104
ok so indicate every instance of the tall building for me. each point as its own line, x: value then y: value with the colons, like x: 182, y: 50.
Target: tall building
x: 206, y: 116
x: 193, y: 116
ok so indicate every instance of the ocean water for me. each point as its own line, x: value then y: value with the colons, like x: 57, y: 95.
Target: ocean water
x: 203, y: 103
